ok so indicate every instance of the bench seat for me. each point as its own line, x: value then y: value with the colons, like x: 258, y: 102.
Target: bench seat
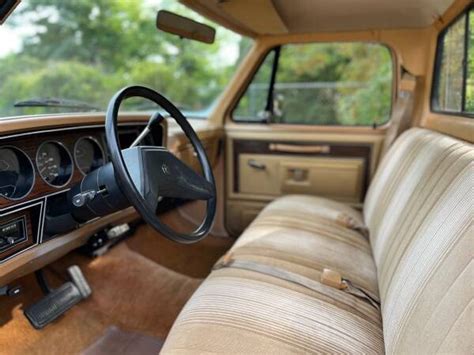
x: 411, y: 248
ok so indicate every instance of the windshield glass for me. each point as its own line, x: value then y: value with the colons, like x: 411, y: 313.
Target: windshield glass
x: 72, y: 56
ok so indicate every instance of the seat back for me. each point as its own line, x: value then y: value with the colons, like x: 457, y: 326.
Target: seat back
x: 419, y: 211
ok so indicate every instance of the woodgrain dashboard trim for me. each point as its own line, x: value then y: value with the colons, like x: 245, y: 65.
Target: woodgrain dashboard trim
x: 30, y: 145
x: 41, y: 255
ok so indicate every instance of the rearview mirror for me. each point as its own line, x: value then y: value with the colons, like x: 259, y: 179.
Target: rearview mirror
x: 184, y: 27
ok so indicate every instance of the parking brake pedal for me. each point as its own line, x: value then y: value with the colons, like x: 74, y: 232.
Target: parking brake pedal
x: 58, y: 301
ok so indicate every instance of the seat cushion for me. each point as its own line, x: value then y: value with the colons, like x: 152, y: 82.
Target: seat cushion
x: 249, y: 312
x: 301, y: 234
x: 307, y: 209
x: 242, y: 311
x: 239, y: 311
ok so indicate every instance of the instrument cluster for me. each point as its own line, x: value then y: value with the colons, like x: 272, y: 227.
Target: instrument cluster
x: 54, y: 163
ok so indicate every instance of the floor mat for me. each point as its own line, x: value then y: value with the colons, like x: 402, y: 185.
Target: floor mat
x: 129, y: 291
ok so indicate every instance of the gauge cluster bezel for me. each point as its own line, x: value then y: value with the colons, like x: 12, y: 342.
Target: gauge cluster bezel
x: 27, y: 171
x: 66, y: 168
x: 98, y: 161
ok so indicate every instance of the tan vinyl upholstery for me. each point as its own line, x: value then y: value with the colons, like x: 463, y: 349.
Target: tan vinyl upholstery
x: 418, y: 261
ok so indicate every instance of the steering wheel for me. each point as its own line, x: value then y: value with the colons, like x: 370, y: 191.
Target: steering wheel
x: 146, y: 173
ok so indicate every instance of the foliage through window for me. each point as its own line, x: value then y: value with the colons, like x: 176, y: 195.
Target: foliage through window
x: 86, y: 50
x: 454, y: 69
x: 322, y: 84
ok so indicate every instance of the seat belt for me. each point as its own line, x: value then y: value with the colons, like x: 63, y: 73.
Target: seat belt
x: 402, y: 110
x: 334, y: 279
x: 328, y: 278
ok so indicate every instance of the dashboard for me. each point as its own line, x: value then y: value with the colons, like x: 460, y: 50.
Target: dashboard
x: 33, y: 227
x: 38, y: 168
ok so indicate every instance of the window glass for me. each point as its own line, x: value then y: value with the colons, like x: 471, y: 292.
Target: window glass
x: 323, y: 84
x: 450, y: 84
x: 454, y: 84
x: 252, y: 105
x: 470, y: 67
x: 77, y: 54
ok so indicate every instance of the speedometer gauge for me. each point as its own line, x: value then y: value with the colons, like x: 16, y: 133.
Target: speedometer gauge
x: 16, y: 173
x: 54, y: 164
x: 88, y: 155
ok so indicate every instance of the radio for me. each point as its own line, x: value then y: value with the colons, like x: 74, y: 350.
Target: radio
x: 19, y: 229
x: 12, y: 232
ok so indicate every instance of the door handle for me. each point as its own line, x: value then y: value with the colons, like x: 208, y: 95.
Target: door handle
x: 256, y: 165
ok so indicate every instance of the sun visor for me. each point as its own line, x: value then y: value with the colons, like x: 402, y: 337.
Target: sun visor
x: 235, y: 15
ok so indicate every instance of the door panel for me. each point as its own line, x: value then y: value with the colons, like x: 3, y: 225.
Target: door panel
x: 265, y: 163
x: 274, y: 175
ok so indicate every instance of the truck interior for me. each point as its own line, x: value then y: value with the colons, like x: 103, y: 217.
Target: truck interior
x: 236, y: 176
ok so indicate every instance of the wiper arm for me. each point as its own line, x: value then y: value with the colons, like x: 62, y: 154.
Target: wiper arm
x: 55, y: 102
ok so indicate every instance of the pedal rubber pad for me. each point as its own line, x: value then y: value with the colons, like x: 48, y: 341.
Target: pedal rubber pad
x: 53, y: 305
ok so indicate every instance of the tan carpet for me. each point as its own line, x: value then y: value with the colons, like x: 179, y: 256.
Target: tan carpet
x: 129, y: 291
x: 195, y: 260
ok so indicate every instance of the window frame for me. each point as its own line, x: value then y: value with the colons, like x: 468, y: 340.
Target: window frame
x: 245, y: 87
x: 278, y: 48
x: 438, y: 62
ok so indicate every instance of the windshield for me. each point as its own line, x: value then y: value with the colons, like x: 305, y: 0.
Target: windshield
x: 72, y: 56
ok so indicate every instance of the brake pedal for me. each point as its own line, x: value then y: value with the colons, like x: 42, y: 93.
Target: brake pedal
x: 60, y: 300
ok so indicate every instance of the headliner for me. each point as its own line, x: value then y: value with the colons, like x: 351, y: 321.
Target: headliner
x: 276, y: 17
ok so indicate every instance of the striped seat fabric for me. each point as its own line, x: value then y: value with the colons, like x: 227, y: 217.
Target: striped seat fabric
x: 417, y: 260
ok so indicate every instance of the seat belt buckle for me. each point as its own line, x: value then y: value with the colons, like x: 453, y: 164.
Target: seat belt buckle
x: 333, y: 279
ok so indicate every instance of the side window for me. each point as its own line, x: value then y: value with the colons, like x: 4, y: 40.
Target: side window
x: 453, y: 90
x: 321, y: 84
x: 253, y: 105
